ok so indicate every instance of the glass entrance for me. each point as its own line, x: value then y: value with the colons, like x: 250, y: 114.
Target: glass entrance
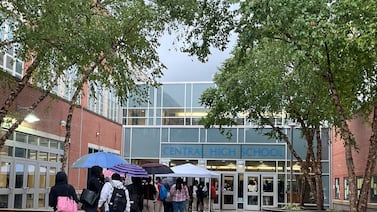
x: 261, y: 190
x: 229, y: 191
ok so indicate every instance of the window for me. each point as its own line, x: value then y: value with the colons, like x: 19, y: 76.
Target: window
x: 359, y: 183
x: 373, y: 193
x: 337, y: 188
x: 346, y: 188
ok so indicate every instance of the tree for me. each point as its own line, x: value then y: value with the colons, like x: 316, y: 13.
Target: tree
x: 330, y: 53
x: 106, y: 43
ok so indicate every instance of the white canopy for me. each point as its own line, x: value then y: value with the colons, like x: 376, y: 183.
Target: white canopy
x: 190, y: 170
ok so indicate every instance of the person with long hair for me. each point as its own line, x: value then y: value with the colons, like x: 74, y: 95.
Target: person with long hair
x: 61, y: 188
x: 179, y: 193
x: 95, y: 184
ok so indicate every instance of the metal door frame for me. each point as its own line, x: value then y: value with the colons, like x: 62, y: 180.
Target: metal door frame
x: 262, y: 194
x: 232, y: 193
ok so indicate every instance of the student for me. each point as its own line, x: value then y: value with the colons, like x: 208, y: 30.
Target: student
x: 179, y: 194
x: 61, y: 188
x: 158, y: 207
x: 95, y: 184
x: 136, y: 194
x: 107, y: 191
x: 149, y: 191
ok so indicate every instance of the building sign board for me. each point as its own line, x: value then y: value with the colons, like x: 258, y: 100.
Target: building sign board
x: 224, y: 151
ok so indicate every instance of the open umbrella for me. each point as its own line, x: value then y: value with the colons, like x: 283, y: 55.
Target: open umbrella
x: 157, y: 168
x: 102, y: 159
x: 129, y: 170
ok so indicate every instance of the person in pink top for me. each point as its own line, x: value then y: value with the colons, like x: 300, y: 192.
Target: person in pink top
x: 179, y: 193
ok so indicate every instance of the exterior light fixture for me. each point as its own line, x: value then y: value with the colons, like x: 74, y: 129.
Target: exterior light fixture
x: 30, y: 117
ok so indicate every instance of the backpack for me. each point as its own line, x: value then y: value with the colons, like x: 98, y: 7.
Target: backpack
x: 118, y: 201
x: 163, y: 192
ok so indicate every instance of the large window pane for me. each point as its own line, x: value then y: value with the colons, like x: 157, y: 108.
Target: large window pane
x: 19, y: 183
x: 52, y: 176
x: 42, y: 176
x: 30, y: 176
x: 20, y: 152
x: 4, y: 175
x: 174, y: 95
x: 21, y: 137
x: 373, y: 193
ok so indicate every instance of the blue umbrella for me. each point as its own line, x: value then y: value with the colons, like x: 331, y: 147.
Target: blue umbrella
x: 130, y: 170
x: 102, y: 159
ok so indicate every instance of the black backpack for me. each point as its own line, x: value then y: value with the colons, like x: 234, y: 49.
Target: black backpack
x: 118, y: 201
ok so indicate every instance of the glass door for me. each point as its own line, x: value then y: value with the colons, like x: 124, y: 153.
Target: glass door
x: 251, y: 183
x: 229, y: 191
x: 261, y: 190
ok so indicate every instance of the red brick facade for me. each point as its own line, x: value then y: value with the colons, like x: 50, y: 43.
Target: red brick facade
x: 86, y: 128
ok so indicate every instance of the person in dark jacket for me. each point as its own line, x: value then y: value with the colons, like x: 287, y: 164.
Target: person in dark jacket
x: 95, y: 184
x: 61, y: 188
x: 136, y: 194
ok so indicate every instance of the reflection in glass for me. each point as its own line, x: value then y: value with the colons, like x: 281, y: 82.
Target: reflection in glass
x: 20, y: 152
x: 228, y: 199
x: 41, y: 200
x: 31, y: 176
x: 252, y: 200
x: 32, y: 154
x: 268, y: 200
x: 43, y: 156
x: 42, y: 176
x: 228, y: 183
x: 4, y: 175
x: 29, y: 200
x: 6, y: 151
x: 19, y: 183
x: 3, y: 201
x: 52, y: 172
x: 17, y: 201
x: 268, y: 185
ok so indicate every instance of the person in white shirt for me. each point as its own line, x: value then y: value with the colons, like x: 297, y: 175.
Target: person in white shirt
x: 107, y: 191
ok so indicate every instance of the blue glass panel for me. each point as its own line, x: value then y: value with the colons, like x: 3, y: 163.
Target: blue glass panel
x: 127, y: 140
x: 254, y: 135
x: 188, y: 95
x: 214, y: 135
x: 197, y: 91
x: 203, y: 135
x: 145, y: 141
x: 184, y: 135
x: 174, y: 95
x: 165, y: 134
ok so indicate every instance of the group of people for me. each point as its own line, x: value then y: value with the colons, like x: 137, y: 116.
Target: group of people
x: 142, y: 195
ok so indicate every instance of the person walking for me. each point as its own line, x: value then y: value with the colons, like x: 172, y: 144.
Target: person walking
x: 195, y: 196
x: 158, y: 206
x: 136, y: 194
x: 179, y: 193
x: 149, y: 191
x: 95, y: 184
x: 107, y: 192
x: 61, y: 188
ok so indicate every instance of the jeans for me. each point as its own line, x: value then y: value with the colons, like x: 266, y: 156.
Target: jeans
x: 179, y: 206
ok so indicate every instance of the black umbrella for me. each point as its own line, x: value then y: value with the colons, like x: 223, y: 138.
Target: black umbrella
x: 157, y: 168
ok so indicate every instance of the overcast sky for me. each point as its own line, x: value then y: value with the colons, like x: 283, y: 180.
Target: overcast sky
x: 183, y: 68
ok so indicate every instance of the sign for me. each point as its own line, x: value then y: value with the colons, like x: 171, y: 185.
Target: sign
x: 224, y: 151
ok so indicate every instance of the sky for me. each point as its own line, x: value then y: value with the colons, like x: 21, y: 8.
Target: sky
x: 183, y: 68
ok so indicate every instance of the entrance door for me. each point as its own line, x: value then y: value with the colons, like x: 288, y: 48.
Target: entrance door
x: 229, y: 191
x: 261, y: 190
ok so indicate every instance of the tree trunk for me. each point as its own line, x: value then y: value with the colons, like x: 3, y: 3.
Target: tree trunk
x: 370, y: 166
x: 318, y: 171
x: 72, y: 105
x: 14, y: 93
